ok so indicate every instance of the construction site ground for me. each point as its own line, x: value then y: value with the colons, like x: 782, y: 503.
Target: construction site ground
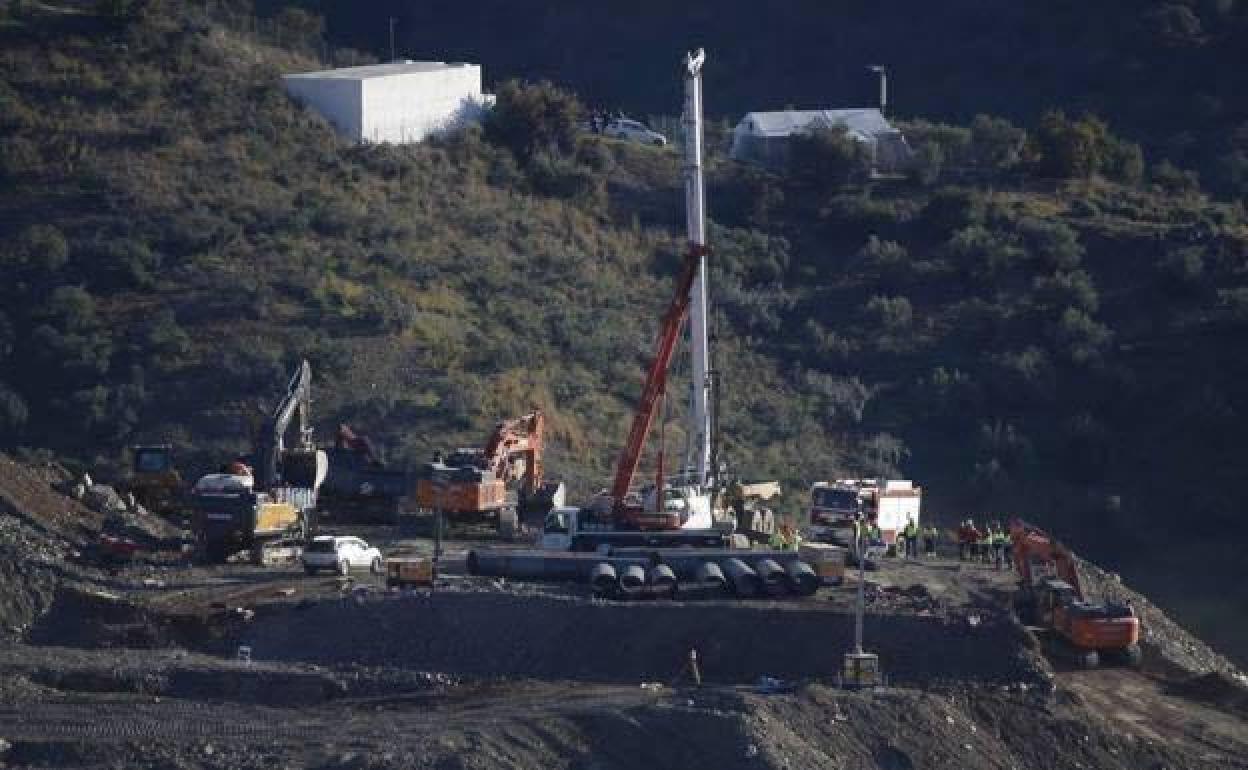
x: 164, y: 664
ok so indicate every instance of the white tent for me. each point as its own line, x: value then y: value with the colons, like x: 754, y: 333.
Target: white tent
x: 762, y: 137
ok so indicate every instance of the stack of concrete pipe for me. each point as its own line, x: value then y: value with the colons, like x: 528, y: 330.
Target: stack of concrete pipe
x: 636, y: 572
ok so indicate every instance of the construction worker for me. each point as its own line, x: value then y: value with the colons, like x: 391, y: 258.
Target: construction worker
x: 983, y: 544
x: 874, y: 537
x: 969, y: 540
x: 999, y: 542
x: 929, y: 541
x: 912, y: 539
x: 779, y: 541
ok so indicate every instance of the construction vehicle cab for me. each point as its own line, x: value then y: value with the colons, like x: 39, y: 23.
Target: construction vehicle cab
x: 153, y: 480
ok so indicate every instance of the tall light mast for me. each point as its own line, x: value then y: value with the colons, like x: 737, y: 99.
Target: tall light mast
x: 695, y: 215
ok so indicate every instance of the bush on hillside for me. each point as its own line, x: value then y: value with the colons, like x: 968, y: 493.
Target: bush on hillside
x: 827, y: 159
x: 996, y: 143
x: 1083, y: 148
x: 951, y: 209
x: 529, y: 119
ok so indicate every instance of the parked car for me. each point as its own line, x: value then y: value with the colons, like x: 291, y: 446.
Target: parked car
x: 341, y: 555
x: 634, y: 131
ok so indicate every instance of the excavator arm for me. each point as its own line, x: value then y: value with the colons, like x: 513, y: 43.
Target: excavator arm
x: 519, y: 437
x: 656, y: 376
x: 1033, y: 546
x: 271, y: 443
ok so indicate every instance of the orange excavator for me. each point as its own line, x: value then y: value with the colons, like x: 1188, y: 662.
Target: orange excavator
x: 1051, y: 597
x: 474, y: 482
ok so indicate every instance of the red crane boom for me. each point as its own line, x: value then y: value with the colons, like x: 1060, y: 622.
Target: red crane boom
x: 656, y: 378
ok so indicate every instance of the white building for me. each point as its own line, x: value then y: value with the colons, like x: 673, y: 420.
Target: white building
x: 399, y: 102
x: 762, y: 137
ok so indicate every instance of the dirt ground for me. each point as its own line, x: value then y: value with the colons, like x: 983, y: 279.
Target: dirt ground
x: 139, y: 666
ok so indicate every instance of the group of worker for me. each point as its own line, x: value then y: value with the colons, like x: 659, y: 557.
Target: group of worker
x: 991, y: 545
x: 908, y: 539
x: 786, y: 538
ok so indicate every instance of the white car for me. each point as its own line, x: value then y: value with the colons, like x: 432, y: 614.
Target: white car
x: 341, y: 554
x: 632, y: 130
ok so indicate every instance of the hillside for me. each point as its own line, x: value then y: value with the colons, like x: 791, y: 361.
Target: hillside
x: 1024, y: 336
x: 1168, y: 73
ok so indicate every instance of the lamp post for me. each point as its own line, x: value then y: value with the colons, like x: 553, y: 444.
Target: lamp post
x: 882, y: 72
x: 861, y: 669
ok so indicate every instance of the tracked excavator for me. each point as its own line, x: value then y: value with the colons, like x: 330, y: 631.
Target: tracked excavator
x: 253, y: 503
x: 1051, y: 597
x: 476, y: 483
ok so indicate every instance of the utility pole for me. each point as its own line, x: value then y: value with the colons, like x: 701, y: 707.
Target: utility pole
x: 393, y: 55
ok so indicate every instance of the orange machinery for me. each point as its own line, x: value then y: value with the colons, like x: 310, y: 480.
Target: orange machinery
x: 474, y: 481
x: 1052, y: 597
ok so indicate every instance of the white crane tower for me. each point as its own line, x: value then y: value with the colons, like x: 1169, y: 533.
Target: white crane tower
x: 695, y: 215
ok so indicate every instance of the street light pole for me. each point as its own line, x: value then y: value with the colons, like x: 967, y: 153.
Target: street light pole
x: 882, y: 71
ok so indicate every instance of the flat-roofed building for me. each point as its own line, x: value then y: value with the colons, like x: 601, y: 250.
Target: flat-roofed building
x: 398, y: 102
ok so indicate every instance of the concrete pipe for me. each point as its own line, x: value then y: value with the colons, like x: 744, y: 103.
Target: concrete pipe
x: 802, y: 578
x: 742, y: 581
x: 710, y: 575
x: 771, y: 577
x: 603, y: 579
x: 663, y: 579
x: 633, y: 578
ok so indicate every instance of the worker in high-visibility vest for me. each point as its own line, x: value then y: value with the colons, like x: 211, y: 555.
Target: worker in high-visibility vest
x: 912, y: 539
x: 983, y: 545
x: 998, y: 548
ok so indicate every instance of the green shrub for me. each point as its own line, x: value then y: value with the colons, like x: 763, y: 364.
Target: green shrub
x: 890, y: 313
x: 996, y: 143
x: 532, y: 119
x: 951, y: 209
x: 827, y: 159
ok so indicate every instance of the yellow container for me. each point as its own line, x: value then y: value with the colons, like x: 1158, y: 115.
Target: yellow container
x: 409, y: 571
x: 828, y: 561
